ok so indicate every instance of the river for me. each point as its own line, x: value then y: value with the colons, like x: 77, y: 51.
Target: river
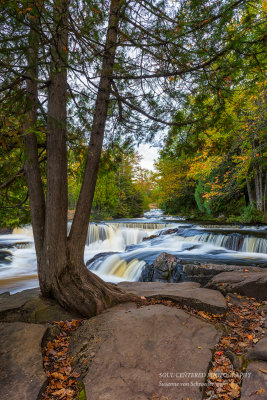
x: 116, y: 251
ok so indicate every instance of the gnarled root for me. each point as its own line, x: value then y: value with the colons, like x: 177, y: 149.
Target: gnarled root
x: 85, y: 293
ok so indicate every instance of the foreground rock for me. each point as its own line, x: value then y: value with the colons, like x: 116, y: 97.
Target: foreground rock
x: 29, y: 306
x: 21, y: 373
x: 185, y: 293
x: 259, y: 351
x: 202, y: 273
x: 255, y: 382
x: 164, y: 269
x: 251, y: 284
x: 129, y: 353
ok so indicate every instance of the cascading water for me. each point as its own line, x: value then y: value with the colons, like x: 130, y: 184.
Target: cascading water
x: 235, y: 241
x: 116, y: 251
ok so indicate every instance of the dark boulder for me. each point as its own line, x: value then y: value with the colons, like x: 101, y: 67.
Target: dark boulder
x: 164, y: 269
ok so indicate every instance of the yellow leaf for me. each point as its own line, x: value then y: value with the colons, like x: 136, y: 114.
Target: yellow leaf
x: 260, y: 391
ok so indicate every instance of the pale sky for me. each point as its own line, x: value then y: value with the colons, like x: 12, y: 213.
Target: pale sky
x: 149, y: 154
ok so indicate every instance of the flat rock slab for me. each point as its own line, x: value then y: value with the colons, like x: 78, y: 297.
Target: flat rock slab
x: 204, y: 272
x: 144, y: 353
x: 186, y: 293
x: 29, y: 306
x: 21, y: 372
x: 251, y: 284
x: 255, y: 382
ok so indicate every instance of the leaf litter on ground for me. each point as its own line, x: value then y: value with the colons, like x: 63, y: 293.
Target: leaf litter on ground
x: 62, y: 381
x: 244, y: 324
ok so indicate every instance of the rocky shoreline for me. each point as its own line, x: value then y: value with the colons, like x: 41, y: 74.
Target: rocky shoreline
x: 125, y: 351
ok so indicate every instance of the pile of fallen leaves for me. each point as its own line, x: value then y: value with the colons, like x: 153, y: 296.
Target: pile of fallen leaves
x: 62, y: 379
x: 169, y: 303
x: 245, y: 323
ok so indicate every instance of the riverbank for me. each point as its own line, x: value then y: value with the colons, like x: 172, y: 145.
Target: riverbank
x: 180, y: 341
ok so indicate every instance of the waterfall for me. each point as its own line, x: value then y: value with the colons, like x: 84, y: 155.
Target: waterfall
x: 151, y: 226
x: 116, y: 250
x: 117, y: 236
x: 119, y: 268
x: 233, y: 241
x: 98, y: 232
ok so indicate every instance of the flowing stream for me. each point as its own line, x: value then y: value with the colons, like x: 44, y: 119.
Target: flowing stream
x: 116, y: 250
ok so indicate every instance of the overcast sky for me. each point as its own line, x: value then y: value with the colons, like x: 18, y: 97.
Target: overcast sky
x: 149, y: 154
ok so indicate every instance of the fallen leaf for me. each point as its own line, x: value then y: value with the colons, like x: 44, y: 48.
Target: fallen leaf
x: 260, y: 391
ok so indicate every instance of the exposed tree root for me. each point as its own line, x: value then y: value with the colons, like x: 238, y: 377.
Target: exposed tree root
x: 86, y: 294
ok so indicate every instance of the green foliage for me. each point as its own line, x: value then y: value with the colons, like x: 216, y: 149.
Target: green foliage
x: 200, y: 189
x: 122, y: 188
x: 249, y: 214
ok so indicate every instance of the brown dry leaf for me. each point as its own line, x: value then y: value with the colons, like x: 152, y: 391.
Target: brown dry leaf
x: 235, y: 389
x: 59, y: 376
x: 203, y: 314
x: 75, y: 374
x: 226, y: 341
x: 263, y: 370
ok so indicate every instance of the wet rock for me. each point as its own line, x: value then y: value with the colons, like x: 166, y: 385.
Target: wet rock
x: 29, y: 306
x: 164, y: 269
x: 251, y: 284
x: 5, y: 256
x: 162, y: 233
x: 150, y: 237
x: 134, y: 353
x: 21, y: 373
x: 254, y: 385
x: 185, y: 293
x: 169, y: 231
x: 202, y: 273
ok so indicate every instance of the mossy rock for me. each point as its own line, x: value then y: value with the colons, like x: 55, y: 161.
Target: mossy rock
x: 31, y: 307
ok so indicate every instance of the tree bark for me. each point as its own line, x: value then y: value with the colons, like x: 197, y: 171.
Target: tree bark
x: 63, y: 274
x: 54, y: 255
x: 78, y: 233
x: 31, y: 164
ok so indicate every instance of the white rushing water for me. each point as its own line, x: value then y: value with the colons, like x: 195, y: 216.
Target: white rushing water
x: 120, y: 253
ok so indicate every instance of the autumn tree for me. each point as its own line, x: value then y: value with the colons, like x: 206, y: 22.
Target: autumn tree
x: 114, y: 67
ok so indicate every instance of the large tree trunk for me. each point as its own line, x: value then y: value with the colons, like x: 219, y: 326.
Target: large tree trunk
x: 63, y: 274
x: 54, y: 254
x: 31, y: 164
